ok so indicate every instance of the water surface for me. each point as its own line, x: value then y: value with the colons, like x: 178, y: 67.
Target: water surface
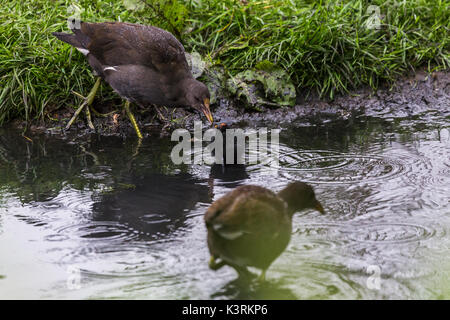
x: 127, y: 223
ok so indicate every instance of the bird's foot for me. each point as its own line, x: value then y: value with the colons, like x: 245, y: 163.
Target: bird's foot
x: 243, y: 273
x: 262, y: 277
x: 104, y: 115
x: 161, y: 117
x: 86, y: 103
x: 133, y: 120
x: 214, y: 265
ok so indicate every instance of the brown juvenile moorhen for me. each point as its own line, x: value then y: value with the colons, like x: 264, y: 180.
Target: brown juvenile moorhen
x: 251, y: 225
x: 143, y: 64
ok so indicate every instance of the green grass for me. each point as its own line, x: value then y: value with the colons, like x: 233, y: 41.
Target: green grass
x: 325, y: 46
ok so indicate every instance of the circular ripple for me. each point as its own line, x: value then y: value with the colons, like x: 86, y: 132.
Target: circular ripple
x: 322, y: 231
x: 341, y: 209
x: 56, y: 237
x: 102, y: 230
x: 67, y: 199
x: 155, y: 218
x: 123, y: 260
x: 391, y: 233
x: 296, y: 161
x: 373, y: 233
x: 338, y: 169
x: 311, y: 245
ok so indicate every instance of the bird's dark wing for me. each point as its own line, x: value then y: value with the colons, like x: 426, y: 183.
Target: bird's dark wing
x: 248, y: 210
x: 118, y: 43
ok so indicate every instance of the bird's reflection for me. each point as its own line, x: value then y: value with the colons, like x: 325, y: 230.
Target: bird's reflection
x: 230, y: 175
x: 251, y: 289
x: 154, y: 205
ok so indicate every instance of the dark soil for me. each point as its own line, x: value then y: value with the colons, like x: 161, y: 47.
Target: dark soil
x: 410, y: 95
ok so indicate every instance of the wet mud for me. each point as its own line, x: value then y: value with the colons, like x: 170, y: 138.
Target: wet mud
x: 410, y: 95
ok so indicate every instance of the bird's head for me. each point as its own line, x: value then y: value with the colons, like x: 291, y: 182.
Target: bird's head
x: 299, y: 196
x: 197, y: 97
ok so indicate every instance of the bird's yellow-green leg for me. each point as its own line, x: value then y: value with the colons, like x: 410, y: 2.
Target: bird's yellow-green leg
x: 132, y: 119
x: 89, y: 119
x: 160, y: 115
x: 87, y: 102
x: 215, y: 265
x: 262, y: 277
x: 104, y: 115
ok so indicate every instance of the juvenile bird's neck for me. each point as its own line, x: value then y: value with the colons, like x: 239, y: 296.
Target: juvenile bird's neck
x: 290, y: 201
x: 186, y: 86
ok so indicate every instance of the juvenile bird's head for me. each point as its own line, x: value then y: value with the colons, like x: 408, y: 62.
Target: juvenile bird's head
x: 299, y: 196
x: 197, y: 97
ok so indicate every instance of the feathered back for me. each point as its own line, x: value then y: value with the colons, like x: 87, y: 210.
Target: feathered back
x: 120, y: 43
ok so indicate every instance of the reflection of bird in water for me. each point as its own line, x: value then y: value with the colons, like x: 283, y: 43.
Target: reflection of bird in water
x: 229, y: 173
x: 242, y: 289
x: 251, y: 225
x: 155, y: 206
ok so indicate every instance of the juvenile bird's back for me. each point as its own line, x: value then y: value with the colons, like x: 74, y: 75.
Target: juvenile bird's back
x: 248, y: 227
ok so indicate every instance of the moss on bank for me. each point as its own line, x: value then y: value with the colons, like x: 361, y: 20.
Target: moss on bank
x: 327, y: 46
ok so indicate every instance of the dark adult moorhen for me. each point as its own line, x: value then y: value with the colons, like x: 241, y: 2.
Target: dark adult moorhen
x: 251, y: 225
x: 143, y: 64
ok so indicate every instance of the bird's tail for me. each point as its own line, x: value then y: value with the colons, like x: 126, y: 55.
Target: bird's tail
x: 68, y: 38
x: 78, y: 39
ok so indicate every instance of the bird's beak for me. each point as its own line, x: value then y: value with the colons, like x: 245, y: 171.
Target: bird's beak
x: 319, y: 207
x: 206, y: 111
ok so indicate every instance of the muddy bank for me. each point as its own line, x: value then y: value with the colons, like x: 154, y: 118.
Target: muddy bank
x: 410, y: 95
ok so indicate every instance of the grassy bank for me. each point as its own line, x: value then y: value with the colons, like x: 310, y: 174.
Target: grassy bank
x: 327, y: 46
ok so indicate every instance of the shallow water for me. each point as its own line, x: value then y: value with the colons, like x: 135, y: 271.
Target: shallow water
x: 102, y: 217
